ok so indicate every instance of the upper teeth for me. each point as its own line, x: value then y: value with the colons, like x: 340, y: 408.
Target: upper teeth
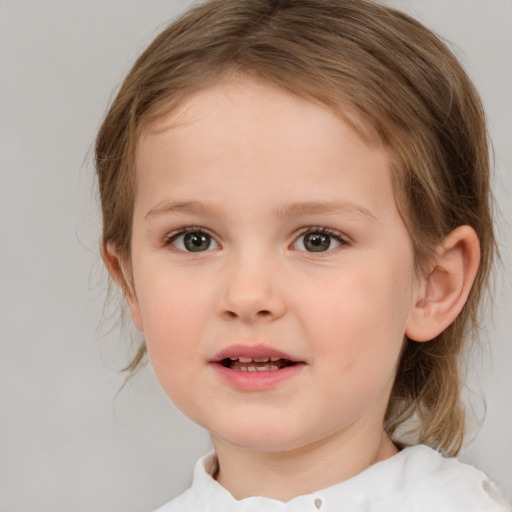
x: 254, y: 359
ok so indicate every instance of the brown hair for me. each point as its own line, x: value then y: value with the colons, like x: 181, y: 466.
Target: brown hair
x: 401, y: 81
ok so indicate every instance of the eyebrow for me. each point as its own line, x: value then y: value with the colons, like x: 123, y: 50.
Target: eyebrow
x: 285, y: 211
x: 190, y: 207
x: 320, y: 207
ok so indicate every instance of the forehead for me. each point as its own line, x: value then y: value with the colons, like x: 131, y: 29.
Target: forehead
x: 229, y: 86
x: 257, y: 136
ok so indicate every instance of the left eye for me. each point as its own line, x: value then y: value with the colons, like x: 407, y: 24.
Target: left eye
x: 193, y: 241
x: 317, y: 241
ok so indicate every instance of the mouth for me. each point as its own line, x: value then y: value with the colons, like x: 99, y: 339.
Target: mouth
x: 256, y: 364
x: 247, y: 367
x: 254, y: 358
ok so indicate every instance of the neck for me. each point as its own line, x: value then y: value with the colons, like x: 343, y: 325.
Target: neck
x: 285, y: 475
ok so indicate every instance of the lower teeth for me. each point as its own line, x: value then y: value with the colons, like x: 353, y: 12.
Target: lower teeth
x: 265, y: 368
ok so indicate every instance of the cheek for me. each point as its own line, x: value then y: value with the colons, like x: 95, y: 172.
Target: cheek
x: 172, y: 315
x: 175, y: 336
x: 359, y: 317
x: 171, y: 334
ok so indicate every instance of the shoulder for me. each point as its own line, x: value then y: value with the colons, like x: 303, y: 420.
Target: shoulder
x: 445, y: 484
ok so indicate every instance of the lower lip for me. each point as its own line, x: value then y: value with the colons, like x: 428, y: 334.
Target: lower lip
x: 258, y: 380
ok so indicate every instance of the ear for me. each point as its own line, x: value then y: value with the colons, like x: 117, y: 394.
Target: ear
x: 445, y: 290
x: 121, y: 273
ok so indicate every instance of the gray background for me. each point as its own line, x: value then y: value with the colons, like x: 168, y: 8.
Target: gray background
x: 67, y: 443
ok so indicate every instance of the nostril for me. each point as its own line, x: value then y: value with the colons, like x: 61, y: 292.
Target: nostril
x: 264, y: 313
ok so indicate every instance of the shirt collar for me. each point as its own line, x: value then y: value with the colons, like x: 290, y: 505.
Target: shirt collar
x: 349, y: 495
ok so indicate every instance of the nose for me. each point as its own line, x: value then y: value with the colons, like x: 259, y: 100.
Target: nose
x: 252, y: 291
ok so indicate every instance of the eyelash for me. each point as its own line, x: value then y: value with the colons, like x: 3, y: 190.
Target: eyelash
x: 335, y: 235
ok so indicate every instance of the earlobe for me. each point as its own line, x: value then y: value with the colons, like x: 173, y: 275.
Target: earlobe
x: 445, y: 290
x: 122, y: 276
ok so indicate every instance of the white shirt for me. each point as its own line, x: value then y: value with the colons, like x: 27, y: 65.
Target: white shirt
x: 417, y: 479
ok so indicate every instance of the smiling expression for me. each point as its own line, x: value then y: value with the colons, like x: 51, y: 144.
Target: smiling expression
x: 273, y: 276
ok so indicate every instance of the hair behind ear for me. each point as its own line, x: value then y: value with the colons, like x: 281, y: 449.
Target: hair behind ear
x: 427, y: 390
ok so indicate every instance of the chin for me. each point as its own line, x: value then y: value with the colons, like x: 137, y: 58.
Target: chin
x: 261, y: 437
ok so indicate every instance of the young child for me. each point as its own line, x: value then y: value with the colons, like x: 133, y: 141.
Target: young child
x: 296, y: 205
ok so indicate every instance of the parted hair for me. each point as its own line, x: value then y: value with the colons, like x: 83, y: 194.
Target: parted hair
x: 399, y: 82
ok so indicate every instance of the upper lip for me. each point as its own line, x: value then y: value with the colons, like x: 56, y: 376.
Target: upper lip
x: 253, y: 351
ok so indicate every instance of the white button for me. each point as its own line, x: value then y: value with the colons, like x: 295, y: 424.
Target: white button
x: 318, y: 503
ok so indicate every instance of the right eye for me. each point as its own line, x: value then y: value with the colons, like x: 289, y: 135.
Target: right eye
x: 193, y: 241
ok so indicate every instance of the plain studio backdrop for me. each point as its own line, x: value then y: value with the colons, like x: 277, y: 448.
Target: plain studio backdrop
x: 67, y: 443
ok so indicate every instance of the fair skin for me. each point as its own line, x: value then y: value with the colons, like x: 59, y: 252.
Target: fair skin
x: 265, y: 228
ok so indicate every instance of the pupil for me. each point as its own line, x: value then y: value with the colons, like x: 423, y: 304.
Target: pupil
x: 196, y: 242
x: 317, y: 242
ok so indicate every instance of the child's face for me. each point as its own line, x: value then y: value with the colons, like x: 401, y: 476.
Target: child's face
x: 265, y: 228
